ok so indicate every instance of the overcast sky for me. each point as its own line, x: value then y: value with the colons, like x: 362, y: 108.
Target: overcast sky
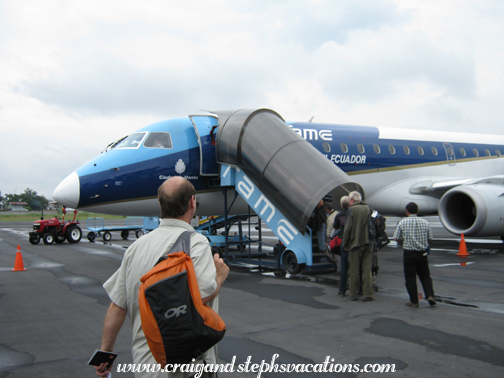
x: 77, y: 75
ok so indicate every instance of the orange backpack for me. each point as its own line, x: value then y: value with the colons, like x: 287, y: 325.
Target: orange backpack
x: 177, y: 325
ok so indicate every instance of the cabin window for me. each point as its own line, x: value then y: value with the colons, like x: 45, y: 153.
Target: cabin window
x: 487, y: 152
x: 326, y: 146
x: 406, y: 150
x: 360, y: 148
x: 376, y: 148
x: 391, y: 149
x: 462, y: 152
x: 475, y: 152
x: 449, y: 151
x: 434, y: 151
x: 158, y: 140
x: 344, y: 148
x: 420, y: 150
x: 498, y: 153
x: 130, y: 141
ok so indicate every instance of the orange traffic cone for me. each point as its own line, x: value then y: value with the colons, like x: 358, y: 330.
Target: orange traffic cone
x: 18, y: 264
x: 462, y: 248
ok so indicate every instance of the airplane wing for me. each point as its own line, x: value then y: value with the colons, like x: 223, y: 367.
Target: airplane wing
x: 442, y: 186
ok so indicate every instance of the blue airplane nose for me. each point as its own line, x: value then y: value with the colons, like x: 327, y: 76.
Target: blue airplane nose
x: 67, y: 192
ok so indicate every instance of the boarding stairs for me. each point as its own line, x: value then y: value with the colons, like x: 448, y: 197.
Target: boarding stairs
x: 277, y: 173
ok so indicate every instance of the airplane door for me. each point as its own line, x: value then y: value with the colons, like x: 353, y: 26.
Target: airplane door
x: 450, y: 153
x: 205, y: 133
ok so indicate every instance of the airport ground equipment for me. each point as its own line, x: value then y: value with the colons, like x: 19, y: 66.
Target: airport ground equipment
x: 279, y: 174
x: 137, y: 225
x: 211, y: 228
x: 293, y: 252
x: 56, y: 230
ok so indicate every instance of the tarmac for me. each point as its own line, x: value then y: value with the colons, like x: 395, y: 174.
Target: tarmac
x: 51, y: 314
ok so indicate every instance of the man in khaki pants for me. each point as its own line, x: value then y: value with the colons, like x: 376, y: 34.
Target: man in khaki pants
x: 356, y: 240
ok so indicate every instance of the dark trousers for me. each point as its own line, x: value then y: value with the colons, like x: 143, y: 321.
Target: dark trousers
x: 415, y: 263
x: 343, y: 270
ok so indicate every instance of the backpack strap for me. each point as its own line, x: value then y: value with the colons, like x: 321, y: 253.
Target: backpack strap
x: 183, y: 243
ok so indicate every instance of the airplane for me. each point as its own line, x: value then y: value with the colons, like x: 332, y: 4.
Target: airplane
x: 456, y: 175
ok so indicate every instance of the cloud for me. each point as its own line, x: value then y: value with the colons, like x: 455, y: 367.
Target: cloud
x: 75, y: 76
x: 127, y: 64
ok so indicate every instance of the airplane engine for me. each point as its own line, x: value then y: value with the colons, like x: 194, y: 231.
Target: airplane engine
x: 474, y: 210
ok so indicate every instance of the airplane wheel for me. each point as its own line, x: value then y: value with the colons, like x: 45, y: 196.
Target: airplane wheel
x: 107, y: 236
x: 291, y: 263
x: 124, y: 234
x: 48, y: 238
x: 139, y: 233
x: 34, y: 239
x: 74, y: 234
x: 91, y: 236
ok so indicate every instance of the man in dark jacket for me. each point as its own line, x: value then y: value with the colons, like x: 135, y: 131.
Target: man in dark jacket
x: 356, y: 240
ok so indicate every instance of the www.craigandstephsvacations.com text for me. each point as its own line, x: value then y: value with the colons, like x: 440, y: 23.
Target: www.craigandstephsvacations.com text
x: 328, y: 366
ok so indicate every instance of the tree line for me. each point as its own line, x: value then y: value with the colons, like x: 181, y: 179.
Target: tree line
x: 34, y: 201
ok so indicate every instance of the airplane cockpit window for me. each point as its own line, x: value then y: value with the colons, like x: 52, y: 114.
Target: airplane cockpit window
x: 344, y: 148
x: 391, y: 149
x: 488, y: 153
x: 420, y: 150
x: 406, y: 150
x: 434, y: 151
x: 475, y: 152
x: 129, y: 141
x: 158, y: 140
x: 462, y: 152
x: 326, y: 146
x: 376, y: 148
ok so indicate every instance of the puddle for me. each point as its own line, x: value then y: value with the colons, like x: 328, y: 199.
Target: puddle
x: 10, y: 358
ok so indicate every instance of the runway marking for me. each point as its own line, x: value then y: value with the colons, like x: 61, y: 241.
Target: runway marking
x: 479, y: 241
x: 465, y: 263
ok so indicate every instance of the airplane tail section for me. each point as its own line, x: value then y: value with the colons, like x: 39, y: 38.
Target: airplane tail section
x: 287, y: 169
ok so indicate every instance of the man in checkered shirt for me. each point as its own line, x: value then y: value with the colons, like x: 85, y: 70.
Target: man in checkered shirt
x: 415, y: 233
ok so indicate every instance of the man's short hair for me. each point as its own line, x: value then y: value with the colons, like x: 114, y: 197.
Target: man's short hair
x: 345, y: 202
x: 328, y: 206
x: 174, y: 199
x: 356, y: 196
x: 412, y: 208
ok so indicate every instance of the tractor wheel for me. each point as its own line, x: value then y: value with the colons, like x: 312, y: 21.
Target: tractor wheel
x: 48, y: 238
x: 91, y: 236
x: 34, y: 239
x: 291, y: 263
x: 107, y: 236
x: 60, y: 238
x: 139, y: 233
x: 124, y: 234
x: 74, y: 234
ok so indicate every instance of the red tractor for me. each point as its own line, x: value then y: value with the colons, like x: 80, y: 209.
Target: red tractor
x: 56, y: 230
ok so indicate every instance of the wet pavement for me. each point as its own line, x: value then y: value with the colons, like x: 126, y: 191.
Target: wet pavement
x: 51, y: 315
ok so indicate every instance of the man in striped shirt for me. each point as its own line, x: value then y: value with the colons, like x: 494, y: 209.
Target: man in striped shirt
x: 415, y: 233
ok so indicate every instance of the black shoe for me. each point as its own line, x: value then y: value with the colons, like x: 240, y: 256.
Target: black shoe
x: 431, y: 300
x: 353, y: 298
x: 367, y: 299
x: 342, y: 294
